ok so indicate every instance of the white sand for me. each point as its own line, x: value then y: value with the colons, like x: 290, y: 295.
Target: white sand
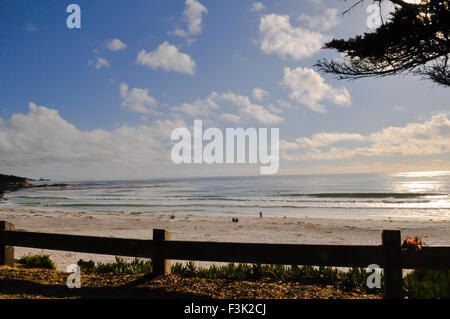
x: 207, y: 228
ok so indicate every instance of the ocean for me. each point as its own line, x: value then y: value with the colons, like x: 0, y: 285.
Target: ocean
x: 415, y: 196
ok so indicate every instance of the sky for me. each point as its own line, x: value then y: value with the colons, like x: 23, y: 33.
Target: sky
x: 101, y: 101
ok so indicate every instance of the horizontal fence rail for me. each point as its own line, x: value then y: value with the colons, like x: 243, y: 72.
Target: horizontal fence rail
x: 83, y: 244
x: 161, y: 250
x: 286, y: 254
x: 428, y: 258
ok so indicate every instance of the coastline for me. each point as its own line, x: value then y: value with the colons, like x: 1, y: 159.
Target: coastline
x: 294, y: 230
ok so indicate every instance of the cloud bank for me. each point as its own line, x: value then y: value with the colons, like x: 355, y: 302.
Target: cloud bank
x: 414, y: 139
x: 43, y: 138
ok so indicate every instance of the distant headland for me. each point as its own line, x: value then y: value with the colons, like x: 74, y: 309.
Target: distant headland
x: 10, y: 183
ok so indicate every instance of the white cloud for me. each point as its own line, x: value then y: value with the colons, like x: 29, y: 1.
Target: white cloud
x: 168, y: 58
x: 259, y: 94
x: 274, y: 109
x: 257, y: 6
x: 309, y: 88
x: 193, y: 13
x: 137, y: 100
x: 200, y: 107
x: 324, y: 139
x: 116, y: 45
x: 30, y: 27
x: 249, y: 110
x: 281, y: 38
x: 327, y: 21
x: 180, y: 32
x: 43, y: 138
x: 245, y: 109
x: 101, y: 62
x: 230, y: 118
x: 287, y: 146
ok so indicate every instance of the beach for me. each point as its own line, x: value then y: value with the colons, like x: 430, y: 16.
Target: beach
x: 250, y: 229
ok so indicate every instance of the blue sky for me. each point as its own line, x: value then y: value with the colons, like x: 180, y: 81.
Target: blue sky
x: 101, y: 101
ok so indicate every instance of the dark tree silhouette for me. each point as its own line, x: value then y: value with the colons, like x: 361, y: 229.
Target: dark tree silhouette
x: 415, y: 39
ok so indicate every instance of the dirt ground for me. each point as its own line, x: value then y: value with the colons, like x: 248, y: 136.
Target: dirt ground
x: 20, y: 283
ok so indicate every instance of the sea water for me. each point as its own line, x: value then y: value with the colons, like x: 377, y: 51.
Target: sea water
x: 414, y: 196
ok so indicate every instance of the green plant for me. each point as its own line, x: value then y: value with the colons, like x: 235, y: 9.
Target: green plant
x: 119, y: 267
x: 427, y: 284
x: 37, y: 261
x: 354, y: 278
x: 86, y: 266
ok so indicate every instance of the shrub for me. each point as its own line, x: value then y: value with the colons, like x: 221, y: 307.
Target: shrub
x: 119, y: 267
x: 355, y: 277
x: 86, y: 266
x: 427, y: 284
x: 37, y: 261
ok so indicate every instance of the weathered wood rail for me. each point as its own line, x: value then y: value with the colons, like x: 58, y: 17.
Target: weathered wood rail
x: 161, y: 250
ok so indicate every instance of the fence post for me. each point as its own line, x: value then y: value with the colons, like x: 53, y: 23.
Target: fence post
x: 391, y: 240
x: 6, y: 252
x: 161, y: 266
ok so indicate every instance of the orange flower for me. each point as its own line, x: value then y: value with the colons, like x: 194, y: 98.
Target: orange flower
x: 412, y: 243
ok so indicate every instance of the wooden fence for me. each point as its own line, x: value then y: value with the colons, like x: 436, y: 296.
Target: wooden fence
x: 161, y: 250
